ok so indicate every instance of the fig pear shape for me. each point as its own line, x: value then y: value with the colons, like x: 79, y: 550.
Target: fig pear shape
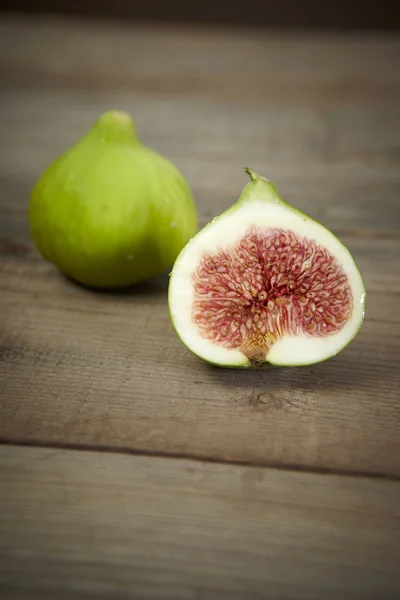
x: 111, y: 212
x: 264, y: 284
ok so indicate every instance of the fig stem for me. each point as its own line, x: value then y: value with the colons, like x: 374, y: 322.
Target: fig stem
x: 254, y: 176
x: 250, y: 173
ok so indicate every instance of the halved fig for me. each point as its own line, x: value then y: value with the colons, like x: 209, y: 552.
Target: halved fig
x: 264, y: 284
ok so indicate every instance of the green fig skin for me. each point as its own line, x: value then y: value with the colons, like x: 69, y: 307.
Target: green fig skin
x: 111, y: 212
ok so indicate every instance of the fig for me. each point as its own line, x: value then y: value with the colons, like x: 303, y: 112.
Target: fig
x: 264, y: 284
x: 111, y: 212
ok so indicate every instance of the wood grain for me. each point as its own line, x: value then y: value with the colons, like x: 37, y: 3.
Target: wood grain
x: 86, y: 369
x: 86, y: 525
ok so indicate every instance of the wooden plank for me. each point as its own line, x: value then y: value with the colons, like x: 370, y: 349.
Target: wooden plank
x: 88, y: 525
x: 216, y: 61
x: 79, y: 367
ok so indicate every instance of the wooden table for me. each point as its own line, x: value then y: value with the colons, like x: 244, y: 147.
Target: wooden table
x: 128, y: 467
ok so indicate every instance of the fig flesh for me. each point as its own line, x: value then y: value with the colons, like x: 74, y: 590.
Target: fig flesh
x: 110, y: 211
x: 264, y: 284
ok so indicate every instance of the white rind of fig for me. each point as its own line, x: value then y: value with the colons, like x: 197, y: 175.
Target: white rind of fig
x: 260, y: 209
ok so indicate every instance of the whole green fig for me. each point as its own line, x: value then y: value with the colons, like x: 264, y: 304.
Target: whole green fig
x: 109, y: 211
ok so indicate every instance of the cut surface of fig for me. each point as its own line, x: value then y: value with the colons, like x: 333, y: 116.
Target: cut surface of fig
x: 264, y: 283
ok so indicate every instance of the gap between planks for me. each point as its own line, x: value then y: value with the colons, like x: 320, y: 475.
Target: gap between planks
x: 276, y: 466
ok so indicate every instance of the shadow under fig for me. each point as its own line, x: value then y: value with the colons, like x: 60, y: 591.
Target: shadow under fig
x: 155, y: 286
x: 345, y: 371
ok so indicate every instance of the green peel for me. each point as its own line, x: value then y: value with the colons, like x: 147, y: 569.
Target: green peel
x: 110, y: 211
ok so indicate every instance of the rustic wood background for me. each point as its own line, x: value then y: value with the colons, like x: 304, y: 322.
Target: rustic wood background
x: 128, y: 467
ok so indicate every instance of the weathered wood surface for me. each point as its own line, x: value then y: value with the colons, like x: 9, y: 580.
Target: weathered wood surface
x: 84, y: 368
x: 81, y: 368
x: 90, y: 525
x: 318, y: 114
